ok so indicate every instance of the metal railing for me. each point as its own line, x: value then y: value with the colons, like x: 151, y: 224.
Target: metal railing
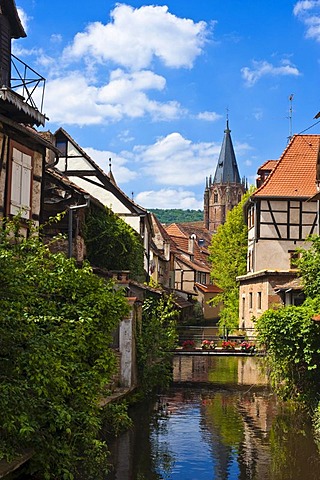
x: 25, y: 81
x: 198, y: 334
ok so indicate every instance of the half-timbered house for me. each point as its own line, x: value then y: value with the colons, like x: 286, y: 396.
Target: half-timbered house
x: 22, y: 150
x: 280, y: 216
x: 76, y: 164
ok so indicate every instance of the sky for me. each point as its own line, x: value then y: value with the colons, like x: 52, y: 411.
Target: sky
x: 150, y: 84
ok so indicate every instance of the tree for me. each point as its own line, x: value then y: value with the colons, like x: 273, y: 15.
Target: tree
x: 156, y: 339
x: 292, y: 342
x: 228, y: 257
x: 112, y: 243
x: 56, y: 324
x: 292, y: 338
x: 309, y: 267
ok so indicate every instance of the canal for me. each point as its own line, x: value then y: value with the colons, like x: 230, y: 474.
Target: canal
x: 219, y: 421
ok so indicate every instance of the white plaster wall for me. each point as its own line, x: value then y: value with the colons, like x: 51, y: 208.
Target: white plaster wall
x: 273, y: 254
x: 126, y: 347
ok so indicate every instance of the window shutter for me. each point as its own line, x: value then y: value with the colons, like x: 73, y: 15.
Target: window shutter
x: 21, y: 183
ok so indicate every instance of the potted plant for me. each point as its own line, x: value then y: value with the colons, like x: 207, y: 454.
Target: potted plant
x: 228, y: 345
x: 188, y: 345
x: 247, y: 347
x: 205, y: 344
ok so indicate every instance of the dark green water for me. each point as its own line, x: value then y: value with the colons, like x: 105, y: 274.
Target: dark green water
x: 229, y: 428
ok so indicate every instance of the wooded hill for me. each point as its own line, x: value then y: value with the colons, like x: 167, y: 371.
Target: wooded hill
x: 177, y: 215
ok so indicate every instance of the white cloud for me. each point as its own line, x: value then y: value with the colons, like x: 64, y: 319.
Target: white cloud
x: 304, y: 6
x: 125, y: 136
x: 24, y: 18
x: 72, y: 99
x: 169, y: 198
x: 175, y: 160
x: 308, y: 11
x: 135, y: 37
x: 264, y: 68
x: 121, y: 172
x: 208, y: 116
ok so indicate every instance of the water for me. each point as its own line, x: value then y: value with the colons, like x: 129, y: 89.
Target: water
x: 230, y: 428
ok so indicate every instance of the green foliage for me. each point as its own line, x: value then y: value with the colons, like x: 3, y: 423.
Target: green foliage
x: 156, y: 339
x: 309, y: 266
x: 228, y: 257
x: 292, y: 341
x: 177, y: 215
x: 56, y: 324
x: 116, y: 418
x: 113, y: 244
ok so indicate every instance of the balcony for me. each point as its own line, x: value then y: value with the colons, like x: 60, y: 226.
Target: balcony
x: 22, y: 101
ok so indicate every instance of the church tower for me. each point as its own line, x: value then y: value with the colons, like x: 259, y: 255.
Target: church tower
x: 225, y: 190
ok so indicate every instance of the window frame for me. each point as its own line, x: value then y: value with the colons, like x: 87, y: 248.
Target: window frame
x: 20, y: 172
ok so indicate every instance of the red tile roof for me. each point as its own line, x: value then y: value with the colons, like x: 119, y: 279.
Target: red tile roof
x: 268, y: 165
x: 295, y: 173
x: 208, y: 288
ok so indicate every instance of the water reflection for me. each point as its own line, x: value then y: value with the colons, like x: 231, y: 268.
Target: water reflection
x: 217, y: 433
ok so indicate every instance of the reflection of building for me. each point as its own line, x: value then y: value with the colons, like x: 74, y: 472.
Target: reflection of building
x: 226, y: 370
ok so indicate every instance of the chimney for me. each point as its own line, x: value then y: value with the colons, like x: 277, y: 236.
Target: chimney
x: 191, y: 241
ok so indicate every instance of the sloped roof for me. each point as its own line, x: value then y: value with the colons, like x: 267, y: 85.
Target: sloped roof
x: 208, y: 288
x: 194, y: 265
x: 227, y: 167
x: 10, y: 10
x: 162, y: 230
x: 103, y: 176
x: 295, y: 173
x: 186, y: 229
x: 267, y: 166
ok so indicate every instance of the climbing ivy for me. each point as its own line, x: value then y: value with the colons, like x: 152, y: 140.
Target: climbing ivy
x: 156, y: 339
x: 56, y: 322
x: 112, y: 243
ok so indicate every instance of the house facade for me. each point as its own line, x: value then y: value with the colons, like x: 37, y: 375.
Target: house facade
x: 81, y: 169
x: 280, y: 214
x: 22, y: 150
x: 190, y: 267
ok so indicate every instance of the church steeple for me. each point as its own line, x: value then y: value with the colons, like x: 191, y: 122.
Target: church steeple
x: 225, y: 190
x: 227, y: 167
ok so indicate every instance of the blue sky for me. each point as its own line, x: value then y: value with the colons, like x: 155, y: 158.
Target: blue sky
x: 149, y: 84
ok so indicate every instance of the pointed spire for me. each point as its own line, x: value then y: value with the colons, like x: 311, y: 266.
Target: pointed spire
x: 110, y: 174
x: 227, y: 168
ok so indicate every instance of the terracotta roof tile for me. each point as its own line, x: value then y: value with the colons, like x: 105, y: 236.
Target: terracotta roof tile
x: 295, y: 173
x: 268, y: 165
x: 208, y: 288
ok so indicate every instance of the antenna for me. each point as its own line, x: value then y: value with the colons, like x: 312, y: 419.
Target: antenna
x: 290, y: 117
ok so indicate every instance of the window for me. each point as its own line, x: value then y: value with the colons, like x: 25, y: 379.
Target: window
x: 21, y: 182
x: 251, y: 217
x: 259, y: 301
x: 250, y: 300
x: 215, y: 198
x: 243, y: 307
x: 293, y: 257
